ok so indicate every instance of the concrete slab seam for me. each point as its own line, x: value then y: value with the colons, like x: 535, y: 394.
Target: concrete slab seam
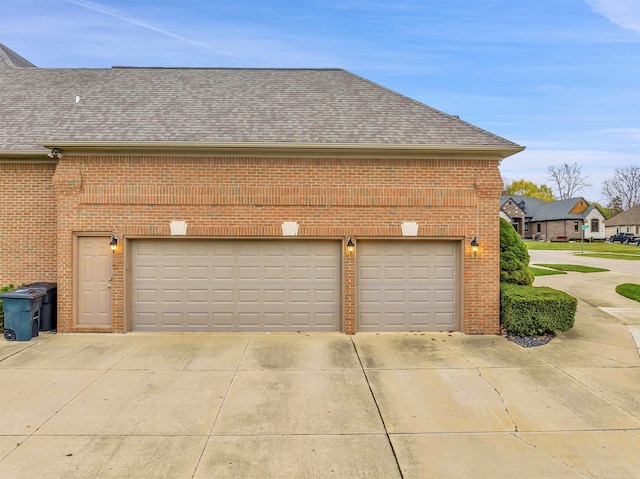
x: 597, y: 393
x: 226, y: 394
x: 547, y: 453
x: 375, y: 401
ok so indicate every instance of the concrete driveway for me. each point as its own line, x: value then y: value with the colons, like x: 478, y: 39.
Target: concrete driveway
x: 405, y: 405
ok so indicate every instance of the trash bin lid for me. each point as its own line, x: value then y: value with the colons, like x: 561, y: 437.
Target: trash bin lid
x: 42, y: 284
x: 24, y: 292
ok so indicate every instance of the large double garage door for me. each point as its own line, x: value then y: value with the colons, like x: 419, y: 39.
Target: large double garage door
x: 235, y: 285
x: 291, y: 285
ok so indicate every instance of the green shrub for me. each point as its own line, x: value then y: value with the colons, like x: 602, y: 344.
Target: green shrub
x: 4, y: 289
x: 514, y: 257
x: 531, y: 311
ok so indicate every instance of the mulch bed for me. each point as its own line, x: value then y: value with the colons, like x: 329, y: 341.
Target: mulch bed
x: 529, y: 341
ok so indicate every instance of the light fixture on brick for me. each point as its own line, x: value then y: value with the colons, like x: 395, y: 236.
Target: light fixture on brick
x: 474, y: 245
x: 351, y: 247
x: 113, y: 243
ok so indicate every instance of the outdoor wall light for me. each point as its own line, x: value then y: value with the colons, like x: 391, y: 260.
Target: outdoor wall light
x: 55, y: 154
x: 474, y: 245
x: 113, y: 243
x: 351, y: 247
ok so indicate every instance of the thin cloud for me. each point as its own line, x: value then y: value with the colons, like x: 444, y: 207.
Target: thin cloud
x: 114, y: 13
x: 624, y: 13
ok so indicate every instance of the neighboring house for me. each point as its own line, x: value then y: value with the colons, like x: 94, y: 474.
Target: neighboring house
x: 245, y: 200
x: 554, y: 220
x: 625, y: 222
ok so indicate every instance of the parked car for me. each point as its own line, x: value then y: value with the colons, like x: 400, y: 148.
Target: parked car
x: 621, y: 238
x: 635, y: 241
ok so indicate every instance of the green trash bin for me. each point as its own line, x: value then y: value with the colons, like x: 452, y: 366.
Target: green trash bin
x: 22, y: 313
x: 49, y: 310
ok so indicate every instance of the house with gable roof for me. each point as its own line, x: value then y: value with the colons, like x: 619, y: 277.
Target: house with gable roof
x: 237, y: 199
x: 560, y: 220
x: 626, y: 222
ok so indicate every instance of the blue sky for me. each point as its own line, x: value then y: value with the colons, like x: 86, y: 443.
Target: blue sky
x: 561, y: 77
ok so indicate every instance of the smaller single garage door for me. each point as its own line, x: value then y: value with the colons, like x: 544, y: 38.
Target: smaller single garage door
x: 235, y: 285
x: 407, y: 285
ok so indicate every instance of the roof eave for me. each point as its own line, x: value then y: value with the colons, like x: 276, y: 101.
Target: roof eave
x: 284, y: 149
x: 26, y: 156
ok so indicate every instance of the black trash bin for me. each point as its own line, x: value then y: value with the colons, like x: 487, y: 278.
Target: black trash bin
x: 49, y: 310
x: 22, y: 313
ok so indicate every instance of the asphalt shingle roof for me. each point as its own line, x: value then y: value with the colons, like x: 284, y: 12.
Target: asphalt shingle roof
x: 540, y: 210
x: 628, y: 217
x: 10, y: 59
x: 218, y: 105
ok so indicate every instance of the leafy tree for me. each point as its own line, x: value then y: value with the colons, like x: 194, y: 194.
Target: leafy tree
x: 567, y: 179
x: 527, y: 188
x: 605, y: 211
x: 623, y: 187
x: 514, y: 257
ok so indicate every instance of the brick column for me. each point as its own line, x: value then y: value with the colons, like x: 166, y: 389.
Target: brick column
x: 349, y: 288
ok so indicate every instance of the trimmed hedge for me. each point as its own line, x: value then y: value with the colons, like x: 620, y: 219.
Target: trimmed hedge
x: 532, y: 310
x: 514, y: 257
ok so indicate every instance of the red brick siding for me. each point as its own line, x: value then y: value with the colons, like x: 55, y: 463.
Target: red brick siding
x: 28, y: 223
x: 251, y: 197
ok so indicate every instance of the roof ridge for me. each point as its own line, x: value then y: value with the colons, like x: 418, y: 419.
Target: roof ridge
x: 125, y: 67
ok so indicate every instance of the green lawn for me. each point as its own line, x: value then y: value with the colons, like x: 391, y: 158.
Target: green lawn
x: 544, y: 272
x: 630, y: 257
x: 573, y: 267
x: 616, y: 248
x: 629, y: 290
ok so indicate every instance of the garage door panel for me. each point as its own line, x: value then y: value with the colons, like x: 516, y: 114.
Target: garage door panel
x: 419, y: 272
x: 145, y: 272
x: 195, y: 296
x: 443, y: 319
x: 171, y: 272
x: 395, y: 296
x: 250, y: 273
x: 326, y: 296
x: 444, y: 296
x: 171, y: 296
x: 237, y: 285
x: 444, y: 272
x: 395, y: 273
x: 197, y: 273
x: 419, y: 296
x: 199, y: 319
x: 223, y: 272
x: 420, y: 320
x: 369, y: 272
x: 407, y: 285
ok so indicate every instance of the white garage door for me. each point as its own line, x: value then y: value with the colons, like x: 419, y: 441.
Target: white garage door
x: 235, y: 285
x: 407, y: 285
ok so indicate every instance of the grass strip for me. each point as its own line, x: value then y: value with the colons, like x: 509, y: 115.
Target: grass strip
x: 544, y: 272
x: 573, y: 267
x: 588, y: 247
x: 611, y: 256
x: 629, y: 290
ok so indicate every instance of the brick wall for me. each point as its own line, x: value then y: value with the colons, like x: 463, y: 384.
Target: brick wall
x: 251, y: 197
x: 28, y: 223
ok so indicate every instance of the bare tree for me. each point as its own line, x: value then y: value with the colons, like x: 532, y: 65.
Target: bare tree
x: 567, y: 179
x: 624, y: 187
